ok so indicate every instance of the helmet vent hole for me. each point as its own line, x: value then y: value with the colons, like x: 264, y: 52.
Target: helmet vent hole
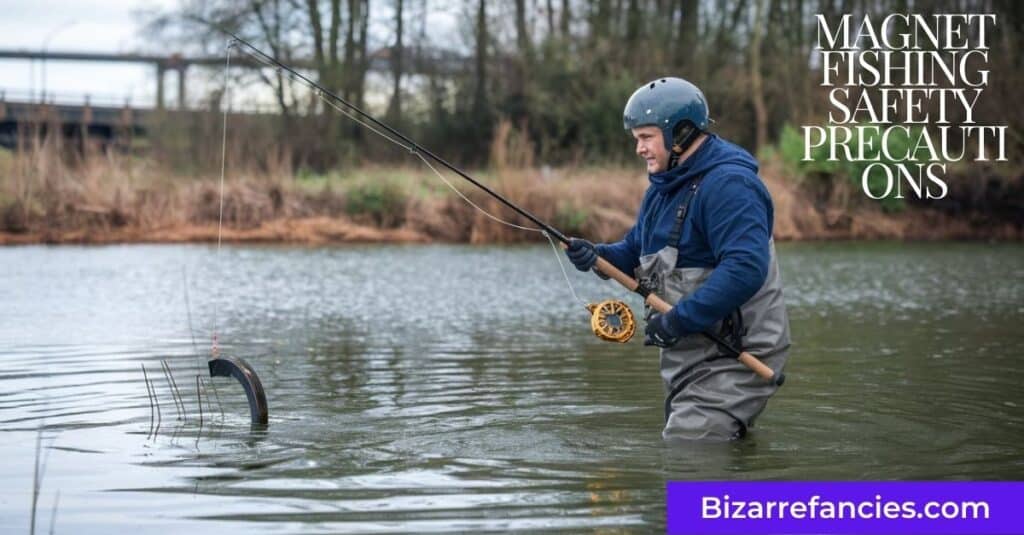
x: 652, y: 85
x: 662, y: 80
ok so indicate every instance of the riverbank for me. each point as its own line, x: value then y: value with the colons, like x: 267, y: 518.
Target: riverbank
x: 119, y: 200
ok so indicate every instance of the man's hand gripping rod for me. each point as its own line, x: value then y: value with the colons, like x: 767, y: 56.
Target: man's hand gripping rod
x: 663, y: 306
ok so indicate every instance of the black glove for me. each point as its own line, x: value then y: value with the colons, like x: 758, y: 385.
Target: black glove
x: 660, y: 331
x: 582, y: 254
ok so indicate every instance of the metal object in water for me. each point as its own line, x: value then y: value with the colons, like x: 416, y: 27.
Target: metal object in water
x: 240, y: 369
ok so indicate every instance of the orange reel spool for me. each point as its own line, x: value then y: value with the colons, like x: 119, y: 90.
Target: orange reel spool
x: 612, y: 321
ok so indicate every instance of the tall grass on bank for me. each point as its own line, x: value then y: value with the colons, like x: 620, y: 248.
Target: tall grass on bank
x: 103, y: 197
x: 97, y: 196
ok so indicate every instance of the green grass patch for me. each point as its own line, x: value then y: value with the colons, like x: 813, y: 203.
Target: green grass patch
x: 380, y: 199
x: 790, y: 149
x: 571, y: 218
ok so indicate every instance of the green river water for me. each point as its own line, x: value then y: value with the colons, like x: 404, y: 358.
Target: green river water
x: 423, y: 389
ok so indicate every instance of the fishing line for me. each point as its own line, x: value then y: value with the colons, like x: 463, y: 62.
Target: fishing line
x: 416, y: 153
x: 558, y: 258
x: 320, y: 95
x: 226, y: 104
x: 411, y: 147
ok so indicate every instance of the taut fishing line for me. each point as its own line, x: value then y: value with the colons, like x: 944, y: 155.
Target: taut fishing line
x: 226, y: 104
x: 411, y: 149
x: 259, y: 56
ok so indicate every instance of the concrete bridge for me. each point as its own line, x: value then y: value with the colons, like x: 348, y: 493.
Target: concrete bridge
x: 416, y: 61
x: 109, y: 122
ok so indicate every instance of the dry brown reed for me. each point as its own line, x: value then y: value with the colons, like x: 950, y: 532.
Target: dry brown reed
x: 97, y: 196
x: 109, y: 196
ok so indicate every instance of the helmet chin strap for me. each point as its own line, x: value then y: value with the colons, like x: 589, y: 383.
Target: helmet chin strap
x: 673, y: 157
x: 682, y: 142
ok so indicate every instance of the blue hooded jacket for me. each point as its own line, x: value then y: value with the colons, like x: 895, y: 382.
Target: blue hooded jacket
x: 727, y: 228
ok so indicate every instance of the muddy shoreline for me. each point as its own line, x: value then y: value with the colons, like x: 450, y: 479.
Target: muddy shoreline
x: 790, y: 225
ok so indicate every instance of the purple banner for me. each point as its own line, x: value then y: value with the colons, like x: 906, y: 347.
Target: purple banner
x: 844, y: 507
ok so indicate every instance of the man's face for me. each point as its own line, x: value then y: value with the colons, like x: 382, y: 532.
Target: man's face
x: 650, y: 145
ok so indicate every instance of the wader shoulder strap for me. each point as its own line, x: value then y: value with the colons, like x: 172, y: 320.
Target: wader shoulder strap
x: 684, y: 207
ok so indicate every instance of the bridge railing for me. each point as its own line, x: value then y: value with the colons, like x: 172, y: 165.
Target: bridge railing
x: 94, y: 100
x: 70, y: 98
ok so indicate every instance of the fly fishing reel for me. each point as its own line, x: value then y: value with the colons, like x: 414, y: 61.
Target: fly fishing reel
x: 612, y: 321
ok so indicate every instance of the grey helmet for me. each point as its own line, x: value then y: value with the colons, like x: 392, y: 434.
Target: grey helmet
x: 675, y: 106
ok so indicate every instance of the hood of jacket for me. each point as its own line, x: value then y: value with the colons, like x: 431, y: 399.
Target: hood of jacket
x: 712, y: 153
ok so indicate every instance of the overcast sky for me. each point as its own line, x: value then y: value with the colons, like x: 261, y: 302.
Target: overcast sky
x: 108, y: 26
x: 76, y: 25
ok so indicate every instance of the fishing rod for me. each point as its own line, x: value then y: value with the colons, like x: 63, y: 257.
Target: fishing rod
x: 414, y: 146
x: 610, y: 320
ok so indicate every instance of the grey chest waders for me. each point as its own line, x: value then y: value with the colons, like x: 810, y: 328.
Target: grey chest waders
x: 709, y: 396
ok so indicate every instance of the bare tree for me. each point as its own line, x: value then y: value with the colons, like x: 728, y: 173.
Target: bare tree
x: 480, y: 94
x: 397, y: 54
x: 756, y: 81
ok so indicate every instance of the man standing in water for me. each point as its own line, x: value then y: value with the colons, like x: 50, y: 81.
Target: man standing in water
x: 702, y: 241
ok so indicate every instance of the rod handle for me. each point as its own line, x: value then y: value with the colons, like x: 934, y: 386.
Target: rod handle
x: 662, y: 306
x: 761, y: 369
x: 610, y: 270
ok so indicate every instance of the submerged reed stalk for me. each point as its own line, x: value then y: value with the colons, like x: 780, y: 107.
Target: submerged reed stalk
x: 155, y: 401
x: 149, y: 397
x: 179, y: 403
x: 53, y: 512
x: 37, y: 478
x: 199, y: 400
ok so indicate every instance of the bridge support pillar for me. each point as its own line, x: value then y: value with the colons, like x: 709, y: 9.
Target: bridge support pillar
x: 181, y: 87
x: 160, y: 70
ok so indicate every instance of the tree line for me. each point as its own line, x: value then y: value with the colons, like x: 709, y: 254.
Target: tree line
x: 548, y: 78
